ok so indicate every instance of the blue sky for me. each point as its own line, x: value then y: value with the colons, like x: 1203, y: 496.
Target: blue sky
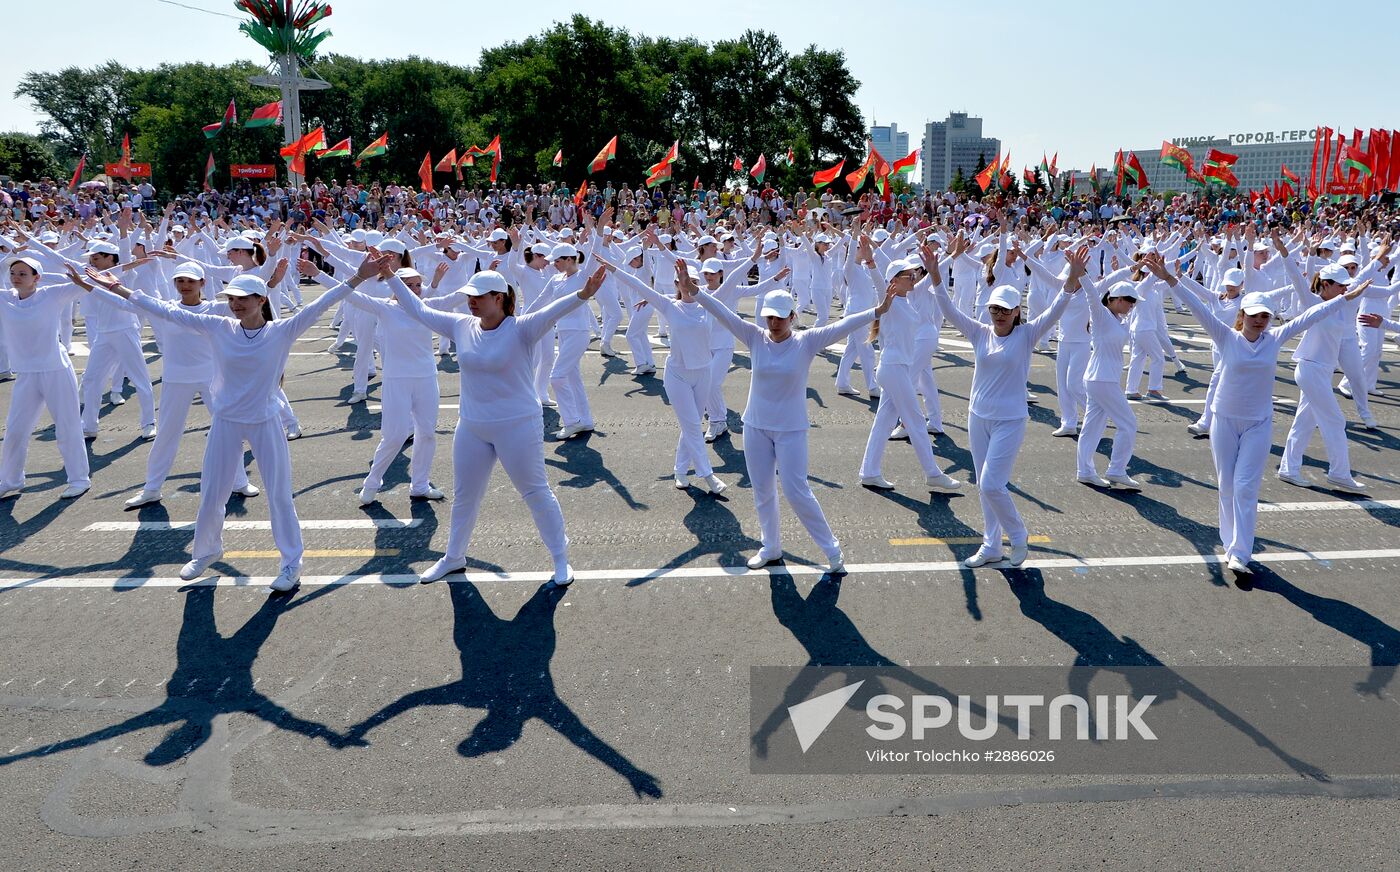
x: 1080, y: 78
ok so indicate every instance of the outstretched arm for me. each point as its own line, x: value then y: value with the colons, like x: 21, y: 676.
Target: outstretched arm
x: 537, y: 323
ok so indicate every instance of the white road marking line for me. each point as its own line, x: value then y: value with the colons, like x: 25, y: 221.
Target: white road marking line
x: 1329, y: 505
x: 350, y: 524
x: 688, y: 572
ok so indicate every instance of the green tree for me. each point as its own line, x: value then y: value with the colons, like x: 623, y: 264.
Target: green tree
x: 85, y: 111
x: 26, y: 157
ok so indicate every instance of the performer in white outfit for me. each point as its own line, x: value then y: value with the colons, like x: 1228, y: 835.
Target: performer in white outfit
x: 1103, y: 386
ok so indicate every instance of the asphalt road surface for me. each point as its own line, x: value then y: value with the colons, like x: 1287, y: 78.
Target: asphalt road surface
x: 368, y: 722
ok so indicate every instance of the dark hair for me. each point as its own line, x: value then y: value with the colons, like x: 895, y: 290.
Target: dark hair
x: 259, y: 254
x: 507, y: 304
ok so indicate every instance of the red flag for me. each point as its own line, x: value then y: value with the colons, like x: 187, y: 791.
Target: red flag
x: 738, y: 164
x: 905, y: 163
x: 1393, y: 182
x: 582, y: 191
x: 1312, y: 168
x: 1136, y: 166
x: 425, y: 172
x: 448, y: 161
x: 822, y: 178
x: 126, y: 149
x: 209, y: 173
x: 608, y: 152
x: 1290, y: 175
x: 1054, y: 161
x: 697, y: 186
x: 77, y: 174
x: 559, y: 158
x: 493, y: 148
x: 759, y: 168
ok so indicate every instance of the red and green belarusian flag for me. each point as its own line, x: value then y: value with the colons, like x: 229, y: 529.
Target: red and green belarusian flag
x: 600, y: 161
x: 266, y: 115
x: 230, y: 117
x: 1176, y: 156
x: 448, y: 162
x: 856, y: 178
x: 558, y: 158
x: 822, y: 178
x: 375, y: 149
x: 340, y: 149
x: 1217, y: 168
x: 209, y: 173
x: 738, y: 164
x: 1045, y: 165
x: 1054, y: 161
x: 1290, y: 175
x: 906, y: 163
x: 660, y: 172
x: 1353, y: 158
x: 759, y: 168
x: 1136, y: 171
x: 1029, y: 177
x: 296, y: 152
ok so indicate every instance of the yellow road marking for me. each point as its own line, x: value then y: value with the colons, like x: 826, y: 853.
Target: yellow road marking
x: 347, y: 552
x: 959, y: 540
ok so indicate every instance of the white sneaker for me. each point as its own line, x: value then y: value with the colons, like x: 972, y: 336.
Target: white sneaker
x: 116, y: 399
x: 145, y: 498
x: 148, y: 432
x: 1133, y: 395
x: 835, y: 562
x: 568, y: 579
x: 444, y: 566
x: 548, y: 403
x: 1376, y: 392
x: 1180, y: 367
x: 1094, y: 479
x: 431, y: 493
x: 607, y: 351
x: 294, y: 431
x: 1066, y: 430
x: 1238, y: 566
x: 982, y: 558
x: 1198, y: 429
x: 357, y: 397
x: 717, y: 432
x: 368, y: 495
x: 1346, y: 485
x: 899, y: 433
x: 847, y: 391
x: 1123, y: 482
x: 7, y: 492
x: 933, y: 429
x: 1344, y: 391
x: 1369, y: 422
x: 74, y: 490
x: 572, y: 430
x: 1018, y: 554
x: 682, y: 482
x: 1293, y: 478
x: 1156, y: 396
x: 761, y: 559
x: 716, y: 486
x: 195, y: 568
x: 89, y: 435
x: 876, y: 482
x: 248, y: 490
x: 287, y: 579
x: 874, y: 392
x: 942, y: 483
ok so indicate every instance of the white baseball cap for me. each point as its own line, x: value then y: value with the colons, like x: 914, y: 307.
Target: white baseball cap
x: 777, y: 304
x: 880, y: 234
x: 1335, y: 272
x: 373, y: 237
x: 706, y: 240
x: 246, y: 286
x: 188, y: 270
x: 1004, y: 296
x: 408, y: 272
x: 358, y: 234
x: 239, y: 242
x: 394, y: 245
x: 898, y: 266
x: 1348, y: 260
x: 498, y: 235
x: 1123, y: 289
x: 712, y: 265
x: 563, y: 249
x: 487, y: 282
x: 541, y: 248
x: 566, y: 233
x: 102, y: 246
x: 31, y: 262
x: 1234, y: 277
x: 1255, y: 303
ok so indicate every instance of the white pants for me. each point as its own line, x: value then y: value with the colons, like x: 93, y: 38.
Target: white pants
x: 567, y: 379
x: 1317, y: 408
x: 715, y: 408
x: 995, y: 445
x: 223, y: 458
x: 612, y: 314
x: 175, y: 400
x: 1349, y: 359
x: 1206, y: 414
x: 1148, y: 352
x: 638, y: 320
x: 4, y: 354
x: 1372, y: 341
x: 1071, y: 362
x: 897, y: 404
x: 802, y: 293
x: 56, y: 390
x: 410, y: 406
x: 116, y: 351
x: 770, y: 455
x: 1040, y: 300
x: 519, y: 446
x: 821, y: 298
x: 1239, y: 448
x: 925, y: 382
x: 686, y: 390
x: 1106, y: 401
x: 544, y: 364
x: 857, y: 345
x: 364, y: 324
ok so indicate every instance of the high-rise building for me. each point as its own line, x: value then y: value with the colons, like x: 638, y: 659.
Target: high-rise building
x: 953, y: 144
x: 889, y: 141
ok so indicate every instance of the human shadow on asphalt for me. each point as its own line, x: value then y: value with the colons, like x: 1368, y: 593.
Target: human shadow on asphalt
x: 506, y: 672
x: 1098, y: 649
x: 1202, y: 539
x: 716, y: 531
x: 585, y: 465
x: 831, y: 639
x: 213, y: 676
x: 1380, y: 638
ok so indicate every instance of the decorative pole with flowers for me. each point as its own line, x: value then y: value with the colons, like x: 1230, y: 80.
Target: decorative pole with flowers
x: 287, y: 29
